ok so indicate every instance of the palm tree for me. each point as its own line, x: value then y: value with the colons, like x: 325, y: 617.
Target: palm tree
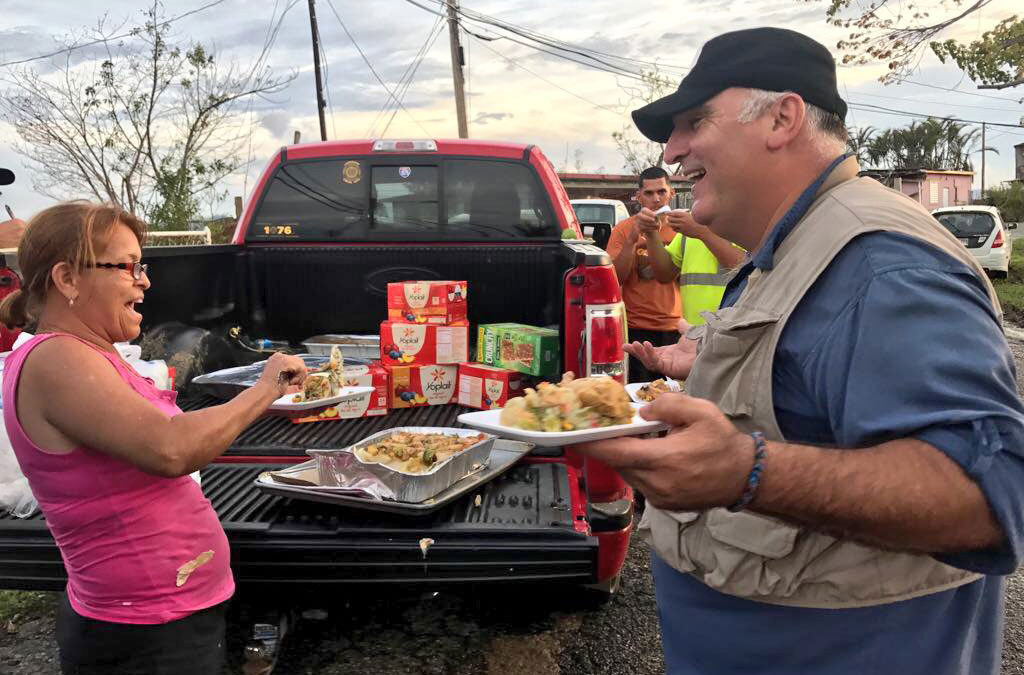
x: 859, y: 143
x: 937, y: 144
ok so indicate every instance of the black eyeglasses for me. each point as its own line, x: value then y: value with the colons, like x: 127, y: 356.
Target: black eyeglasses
x: 137, y: 269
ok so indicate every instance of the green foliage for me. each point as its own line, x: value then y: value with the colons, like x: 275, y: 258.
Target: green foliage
x: 896, y: 32
x: 1011, y: 289
x: 150, y: 127
x: 995, y: 60
x: 940, y: 145
x: 1009, y: 199
x: 24, y: 604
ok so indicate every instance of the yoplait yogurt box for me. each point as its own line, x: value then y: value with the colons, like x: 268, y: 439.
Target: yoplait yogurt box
x: 434, y: 302
x: 404, y: 343
x: 368, y: 405
x: 419, y: 385
x: 486, y: 387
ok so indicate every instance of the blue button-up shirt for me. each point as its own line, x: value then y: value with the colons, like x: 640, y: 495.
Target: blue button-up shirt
x: 896, y: 339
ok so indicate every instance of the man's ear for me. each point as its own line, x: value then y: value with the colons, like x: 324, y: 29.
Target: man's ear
x: 787, y: 119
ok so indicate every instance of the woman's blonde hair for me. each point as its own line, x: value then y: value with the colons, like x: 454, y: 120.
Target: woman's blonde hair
x: 71, y: 233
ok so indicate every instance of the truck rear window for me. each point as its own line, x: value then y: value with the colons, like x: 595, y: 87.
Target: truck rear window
x: 406, y: 198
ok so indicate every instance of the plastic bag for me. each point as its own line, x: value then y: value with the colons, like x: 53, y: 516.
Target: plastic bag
x: 15, y: 495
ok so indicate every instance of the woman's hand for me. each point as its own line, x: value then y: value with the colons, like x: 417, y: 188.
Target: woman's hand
x: 281, y: 371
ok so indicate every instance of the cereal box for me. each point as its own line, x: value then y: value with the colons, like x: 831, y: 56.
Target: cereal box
x: 368, y: 405
x: 526, y: 349
x: 436, y: 302
x: 419, y: 385
x: 485, y: 387
x: 422, y: 343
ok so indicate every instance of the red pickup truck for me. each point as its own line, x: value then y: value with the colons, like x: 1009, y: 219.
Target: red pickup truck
x: 326, y: 228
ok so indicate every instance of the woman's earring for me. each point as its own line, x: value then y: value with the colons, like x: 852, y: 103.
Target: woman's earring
x: 71, y: 302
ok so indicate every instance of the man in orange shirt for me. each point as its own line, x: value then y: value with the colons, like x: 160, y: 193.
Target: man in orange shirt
x: 652, y: 306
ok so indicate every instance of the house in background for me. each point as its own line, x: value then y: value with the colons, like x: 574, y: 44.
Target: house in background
x: 931, y: 189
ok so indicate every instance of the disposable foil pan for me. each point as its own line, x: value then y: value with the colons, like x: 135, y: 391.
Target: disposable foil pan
x: 344, y: 468
x: 355, y: 346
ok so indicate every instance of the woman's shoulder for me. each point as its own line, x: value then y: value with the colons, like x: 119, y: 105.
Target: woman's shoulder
x: 63, y: 354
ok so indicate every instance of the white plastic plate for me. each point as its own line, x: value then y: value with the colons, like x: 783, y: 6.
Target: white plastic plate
x: 489, y: 420
x: 634, y: 390
x: 287, y: 404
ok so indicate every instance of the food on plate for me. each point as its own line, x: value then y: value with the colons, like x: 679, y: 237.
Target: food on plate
x: 415, y: 452
x: 584, y: 403
x: 653, y: 390
x: 315, y: 386
x: 325, y: 381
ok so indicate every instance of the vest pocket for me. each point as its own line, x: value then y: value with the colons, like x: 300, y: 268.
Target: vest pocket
x: 728, y: 367
x: 760, y: 535
x: 664, y: 531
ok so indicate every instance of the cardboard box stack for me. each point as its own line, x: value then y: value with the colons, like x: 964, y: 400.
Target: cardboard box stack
x: 424, y: 339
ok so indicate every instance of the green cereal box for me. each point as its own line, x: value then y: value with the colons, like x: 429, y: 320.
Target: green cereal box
x: 525, y: 349
x: 488, y: 336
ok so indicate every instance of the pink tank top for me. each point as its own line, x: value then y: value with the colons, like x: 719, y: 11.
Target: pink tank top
x: 124, y: 535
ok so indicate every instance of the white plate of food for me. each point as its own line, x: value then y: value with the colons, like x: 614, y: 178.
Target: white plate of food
x: 322, y: 388
x: 298, y: 403
x: 575, y: 411
x: 646, y: 392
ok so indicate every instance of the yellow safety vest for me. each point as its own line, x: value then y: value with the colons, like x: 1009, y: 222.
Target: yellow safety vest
x: 701, y: 283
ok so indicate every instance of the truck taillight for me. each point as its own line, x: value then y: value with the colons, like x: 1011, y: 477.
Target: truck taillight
x: 404, y: 146
x: 605, y: 336
x: 999, y: 239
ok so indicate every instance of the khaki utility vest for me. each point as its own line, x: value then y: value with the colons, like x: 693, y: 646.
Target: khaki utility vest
x: 763, y: 558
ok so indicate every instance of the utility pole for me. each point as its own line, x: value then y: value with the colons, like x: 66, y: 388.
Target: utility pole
x: 460, y: 92
x: 983, y: 160
x: 320, y: 105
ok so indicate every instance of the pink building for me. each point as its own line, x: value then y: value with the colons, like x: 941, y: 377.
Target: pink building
x: 931, y: 188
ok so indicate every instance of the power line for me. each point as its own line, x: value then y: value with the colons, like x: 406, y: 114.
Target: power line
x: 406, y: 80
x: 589, y: 52
x: 131, y: 33
x: 273, y: 30
x: 555, y: 47
x: 968, y: 93
x: 540, y: 77
x: 370, y: 66
x: 412, y: 75
x: 957, y: 105
x: 869, y: 107
x: 327, y: 82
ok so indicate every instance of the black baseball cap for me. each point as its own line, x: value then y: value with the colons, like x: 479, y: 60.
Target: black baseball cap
x: 773, y: 59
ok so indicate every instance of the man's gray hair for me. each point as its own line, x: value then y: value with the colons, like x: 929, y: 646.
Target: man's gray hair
x: 827, y: 129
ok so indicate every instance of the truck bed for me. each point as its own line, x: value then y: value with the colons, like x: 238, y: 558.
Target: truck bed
x: 526, y: 527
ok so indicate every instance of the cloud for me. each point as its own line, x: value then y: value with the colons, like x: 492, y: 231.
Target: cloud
x: 482, y: 118
x: 277, y: 123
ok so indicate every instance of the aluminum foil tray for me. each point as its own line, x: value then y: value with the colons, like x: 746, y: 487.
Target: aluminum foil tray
x: 229, y: 382
x: 504, y: 455
x: 358, y: 346
x: 344, y: 468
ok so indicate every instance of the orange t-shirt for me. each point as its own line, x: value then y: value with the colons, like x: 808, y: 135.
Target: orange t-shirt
x: 650, y: 304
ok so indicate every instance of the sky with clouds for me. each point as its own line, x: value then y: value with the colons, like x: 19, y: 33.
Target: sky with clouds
x: 514, y: 92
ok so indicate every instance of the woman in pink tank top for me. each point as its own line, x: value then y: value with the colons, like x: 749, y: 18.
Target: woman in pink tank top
x: 107, y: 454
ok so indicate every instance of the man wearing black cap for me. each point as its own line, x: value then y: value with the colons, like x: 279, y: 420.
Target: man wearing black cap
x: 841, y: 492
